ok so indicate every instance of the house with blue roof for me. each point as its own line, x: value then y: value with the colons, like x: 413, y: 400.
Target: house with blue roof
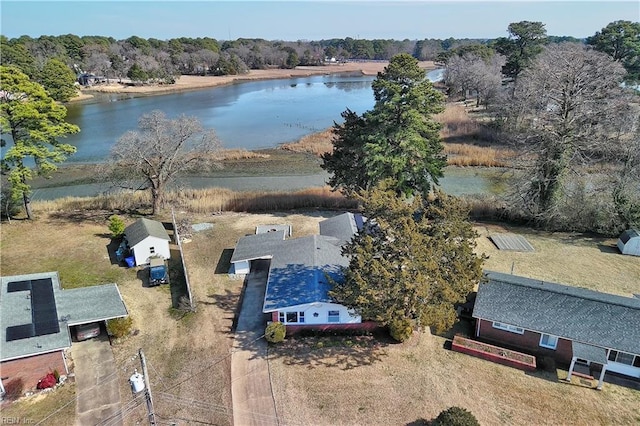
x: 573, y: 325
x: 300, y: 273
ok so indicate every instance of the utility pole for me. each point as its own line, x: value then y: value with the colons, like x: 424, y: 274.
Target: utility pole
x: 147, y: 389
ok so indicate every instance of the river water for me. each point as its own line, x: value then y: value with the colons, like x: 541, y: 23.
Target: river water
x: 250, y: 115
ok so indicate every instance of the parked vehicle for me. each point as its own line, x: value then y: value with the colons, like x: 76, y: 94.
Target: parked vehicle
x: 158, y: 272
x: 87, y: 331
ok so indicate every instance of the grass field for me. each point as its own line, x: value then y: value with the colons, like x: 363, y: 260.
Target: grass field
x: 336, y: 382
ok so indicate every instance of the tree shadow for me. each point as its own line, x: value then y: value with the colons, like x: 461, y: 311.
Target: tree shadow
x: 229, y: 303
x: 419, y: 422
x: 344, y: 352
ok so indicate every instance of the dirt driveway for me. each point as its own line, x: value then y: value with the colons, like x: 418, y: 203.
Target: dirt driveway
x: 251, y: 393
x: 97, y: 385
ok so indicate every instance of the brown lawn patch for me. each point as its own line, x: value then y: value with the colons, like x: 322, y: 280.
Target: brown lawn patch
x: 362, y: 382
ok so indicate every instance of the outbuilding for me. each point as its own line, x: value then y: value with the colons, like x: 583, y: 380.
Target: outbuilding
x: 629, y: 242
x: 147, y: 238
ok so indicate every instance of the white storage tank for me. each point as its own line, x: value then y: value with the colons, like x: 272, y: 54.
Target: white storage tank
x: 137, y: 382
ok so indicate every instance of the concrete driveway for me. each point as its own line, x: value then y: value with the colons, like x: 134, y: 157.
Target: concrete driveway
x: 97, y: 387
x: 251, y: 393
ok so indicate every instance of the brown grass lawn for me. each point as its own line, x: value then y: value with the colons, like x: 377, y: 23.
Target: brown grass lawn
x: 345, y: 382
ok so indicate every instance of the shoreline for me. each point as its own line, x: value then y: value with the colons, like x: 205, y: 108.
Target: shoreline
x: 194, y: 82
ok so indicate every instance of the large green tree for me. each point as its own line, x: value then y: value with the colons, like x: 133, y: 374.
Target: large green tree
x: 524, y: 43
x: 621, y: 41
x: 397, y: 139
x: 35, y: 123
x: 58, y: 80
x: 412, y: 262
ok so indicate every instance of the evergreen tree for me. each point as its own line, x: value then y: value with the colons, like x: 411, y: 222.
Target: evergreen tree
x: 412, y: 262
x: 58, y: 80
x: 398, y: 139
x: 35, y: 122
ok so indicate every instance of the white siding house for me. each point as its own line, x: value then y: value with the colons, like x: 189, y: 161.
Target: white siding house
x: 301, y: 272
x: 316, y: 314
x: 146, y: 239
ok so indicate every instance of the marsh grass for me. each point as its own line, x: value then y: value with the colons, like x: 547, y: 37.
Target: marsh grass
x: 203, y: 201
x: 466, y: 140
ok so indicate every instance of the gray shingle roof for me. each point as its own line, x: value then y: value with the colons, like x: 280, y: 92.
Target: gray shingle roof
x: 258, y: 246
x: 75, y: 306
x: 342, y: 227
x: 573, y: 313
x: 143, y: 228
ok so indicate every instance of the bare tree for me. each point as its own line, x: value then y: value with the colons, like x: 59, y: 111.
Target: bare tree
x: 151, y: 157
x: 472, y: 72
x: 567, y: 112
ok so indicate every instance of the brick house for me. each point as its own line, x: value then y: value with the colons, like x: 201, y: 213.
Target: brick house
x: 573, y: 325
x: 36, y: 318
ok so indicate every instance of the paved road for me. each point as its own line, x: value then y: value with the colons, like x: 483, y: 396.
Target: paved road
x: 253, y: 403
x: 98, y: 391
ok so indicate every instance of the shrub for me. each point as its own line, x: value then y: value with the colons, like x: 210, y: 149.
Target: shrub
x: 119, y: 327
x: 116, y: 226
x: 455, y: 416
x: 275, y: 332
x: 47, y: 381
x: 13, y: 389
x: 401, y: 329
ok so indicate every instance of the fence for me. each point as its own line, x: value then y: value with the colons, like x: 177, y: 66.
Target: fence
x: 176, y: 235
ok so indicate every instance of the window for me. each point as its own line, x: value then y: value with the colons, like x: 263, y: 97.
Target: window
x: 333, y: 316
x: 548, y: 341
x: 292, y: 317
x: 508, y: 327
x: 301, y: 317
x: 624, y: 358
x: 152, y: 250
x: 281, y: 316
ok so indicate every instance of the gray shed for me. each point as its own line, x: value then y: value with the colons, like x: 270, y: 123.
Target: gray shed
x: 629, y: 242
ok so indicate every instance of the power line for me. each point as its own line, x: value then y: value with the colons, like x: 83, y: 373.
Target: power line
x: 104, y: 380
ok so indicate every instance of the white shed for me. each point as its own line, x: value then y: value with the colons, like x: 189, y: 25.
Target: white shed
x: 147, y: 238
x: 629, y: 242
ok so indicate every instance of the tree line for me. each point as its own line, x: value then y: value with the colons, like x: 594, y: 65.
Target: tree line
x: 57, y: 61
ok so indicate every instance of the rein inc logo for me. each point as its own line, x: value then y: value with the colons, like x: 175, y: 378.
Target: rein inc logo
x: 16, y: 421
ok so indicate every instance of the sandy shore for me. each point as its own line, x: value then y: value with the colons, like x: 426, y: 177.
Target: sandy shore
x: 191, y: 82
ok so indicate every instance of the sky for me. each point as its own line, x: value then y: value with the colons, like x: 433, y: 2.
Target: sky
x: 307, y: 19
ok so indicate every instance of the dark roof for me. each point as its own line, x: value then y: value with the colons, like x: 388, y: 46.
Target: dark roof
x: 629, y: 234
x: 573, y: 313
x: 35, y: 312
x: 143, y: 228
x: 342, y: 227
